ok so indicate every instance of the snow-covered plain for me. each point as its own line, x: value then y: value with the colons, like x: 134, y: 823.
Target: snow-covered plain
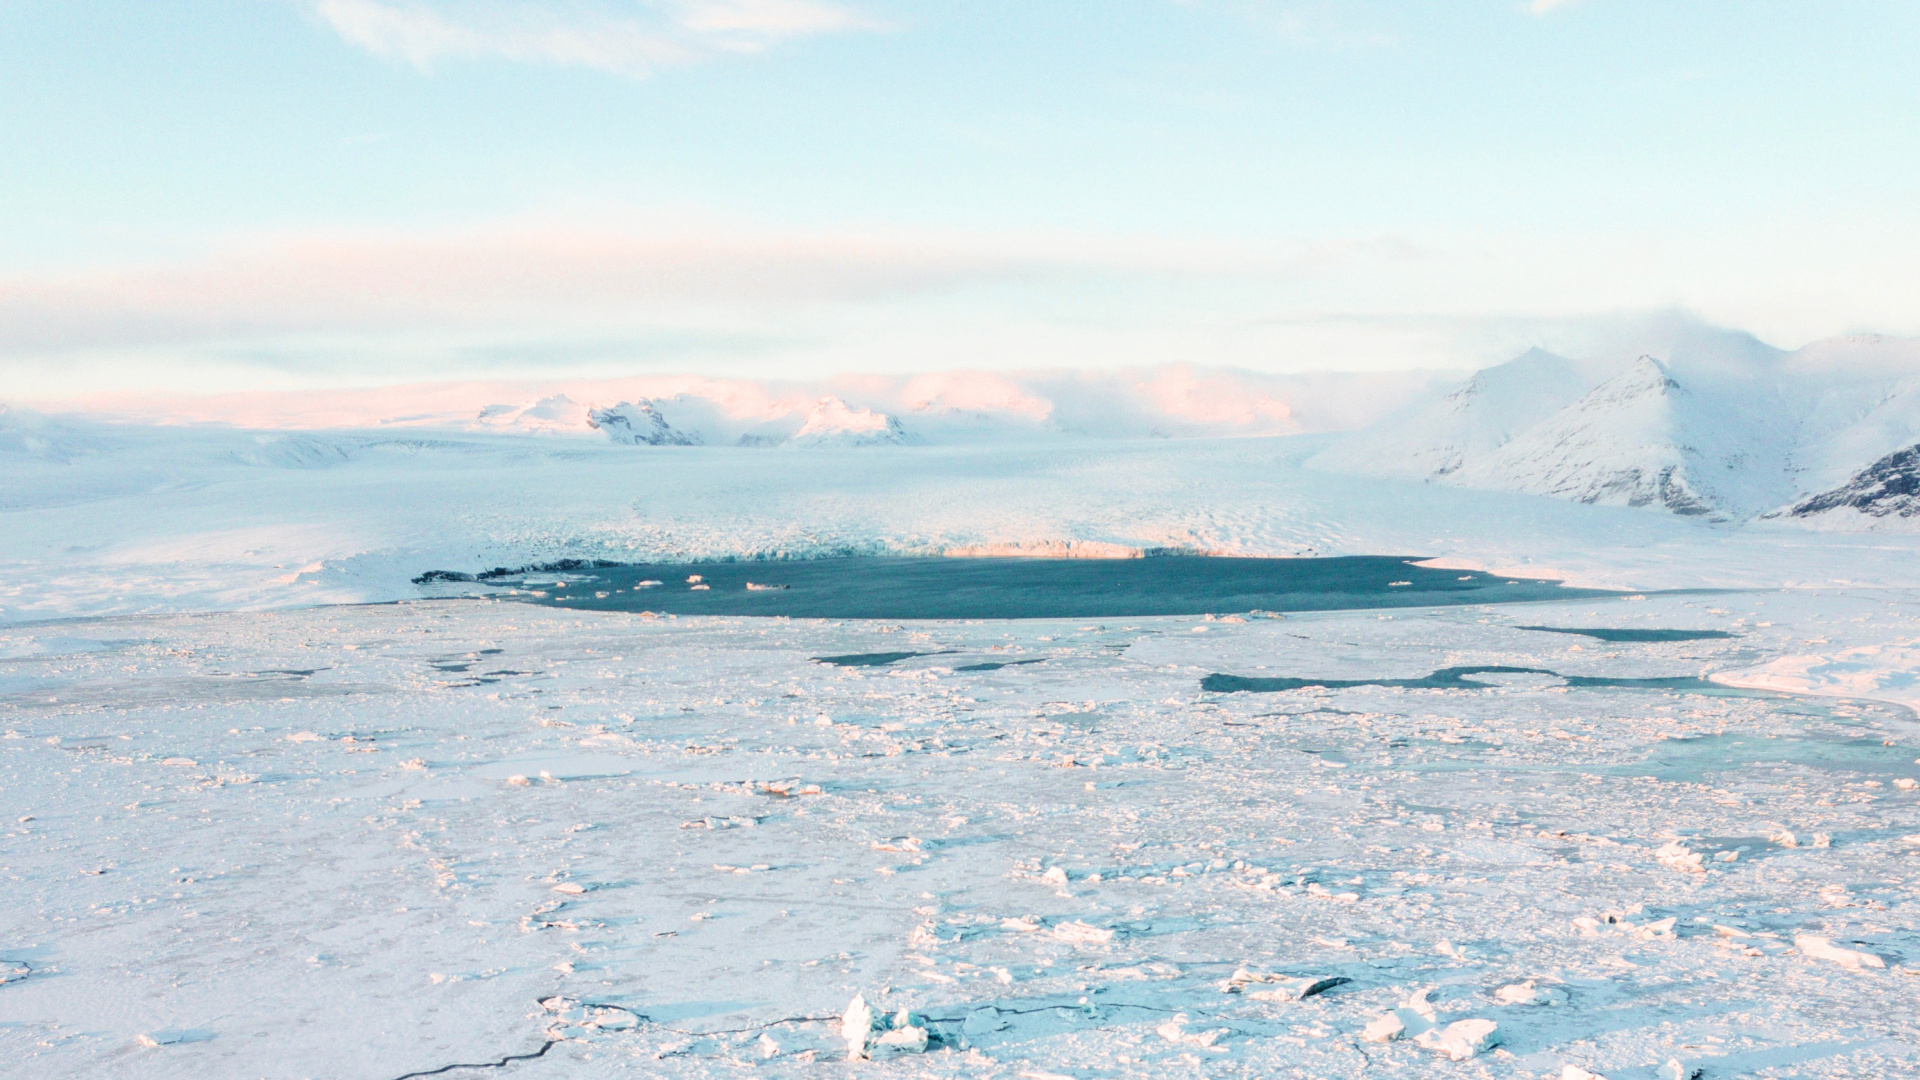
x: 375, y: 841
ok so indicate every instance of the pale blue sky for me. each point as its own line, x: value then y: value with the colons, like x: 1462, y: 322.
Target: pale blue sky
x: 225, y: 193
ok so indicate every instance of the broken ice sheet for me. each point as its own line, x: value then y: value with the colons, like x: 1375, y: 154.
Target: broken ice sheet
x: 1539, y: 832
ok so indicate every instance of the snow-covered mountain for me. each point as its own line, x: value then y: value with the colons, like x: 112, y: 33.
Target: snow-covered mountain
x: 555, y: 415
x: 935, y: 408
x: 638, y: 423
x: 1477, y: 419
x: 1641, y: 438
x: 832, y: 422
x: 1724, y: 428
x: 1889, y: 488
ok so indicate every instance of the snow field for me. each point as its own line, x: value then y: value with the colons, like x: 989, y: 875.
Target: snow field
x: 377, y: 841
x: 157, y: 520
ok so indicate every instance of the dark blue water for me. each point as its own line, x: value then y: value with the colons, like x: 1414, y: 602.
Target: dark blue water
x: 1607, y: 633
x: 943, y: 588
x: 1461, y: 678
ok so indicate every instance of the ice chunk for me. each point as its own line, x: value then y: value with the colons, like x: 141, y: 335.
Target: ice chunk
x: 1676, y: 856
x: 1575, y: 1072
x: 1674, y: 1070
x: 1175, y: 1031
x: 869, y: 1034
x: 1384, y: 1028
x: 982, y: 1022
x: 1055, y: 876
x: 1529, y: 993
x: 1657, y: 928
x: 1413, y: 1018
x: 174, y: 1036
x: 857, y: 1026
x: 1080, y: 933
x: 911, y: 1039
x: 1820, y: 948
x: 1282, y: 987
x: 1461, y: 1039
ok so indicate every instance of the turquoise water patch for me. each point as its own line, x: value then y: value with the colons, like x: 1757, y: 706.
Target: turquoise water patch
x: 1007, y: 588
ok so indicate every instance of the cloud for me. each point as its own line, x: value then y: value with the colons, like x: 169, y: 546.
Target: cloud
x: 1321, y: 24
x: 1542, y: 7
x: 628, y: 37
x: 581, y: 275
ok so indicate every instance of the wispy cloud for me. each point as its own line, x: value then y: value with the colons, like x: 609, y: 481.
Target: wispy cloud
x: 582, y: 278
x: 629, y: 37
x: 1542, y: 7
x: 1320, y: 24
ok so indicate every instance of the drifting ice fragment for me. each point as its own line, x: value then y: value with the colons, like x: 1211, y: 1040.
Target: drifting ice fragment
x: 1676, y: 856
x: 1175, y: 1031
x: 869, y: 1034
x: 1673, y: 1070
x: 1055, y: 876
x: 173, y: 1036
x: 1461, y: 1039
x: 1385, y: 1028
x: 1528, y: 993
x: 1819, y: 948
x: 906, y: 1040
x: 856, y: 1026
x: 1410, y: 1020
x: 1284, y: 987
x: 1080, y: 933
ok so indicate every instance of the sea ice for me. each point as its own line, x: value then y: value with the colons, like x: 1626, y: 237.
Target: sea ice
x: 1821, y: 948
x: 1461, y: 1039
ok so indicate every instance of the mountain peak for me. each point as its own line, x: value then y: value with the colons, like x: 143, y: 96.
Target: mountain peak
x: 638, y: 423
x: 832, y: 422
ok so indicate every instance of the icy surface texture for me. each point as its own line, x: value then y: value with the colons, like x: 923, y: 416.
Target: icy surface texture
x: 378, y: 841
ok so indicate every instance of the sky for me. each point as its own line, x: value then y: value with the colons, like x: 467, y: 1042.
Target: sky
x: 213, y: 195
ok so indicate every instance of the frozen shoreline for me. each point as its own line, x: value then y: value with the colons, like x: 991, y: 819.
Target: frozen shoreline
x: 200, y: 520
